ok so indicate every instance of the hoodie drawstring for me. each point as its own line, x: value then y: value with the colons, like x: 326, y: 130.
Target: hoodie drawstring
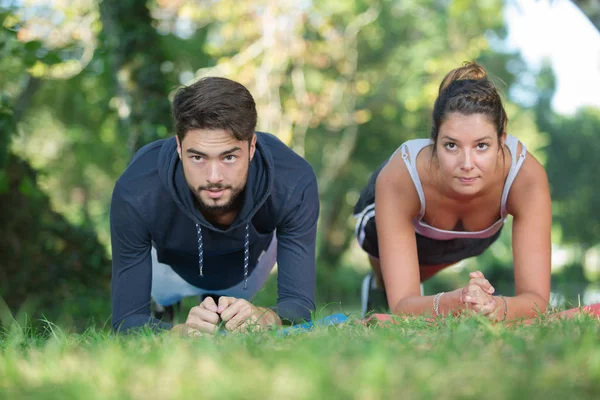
x: 200, y: 250
x: 246, y: 253
x: 246, y: 257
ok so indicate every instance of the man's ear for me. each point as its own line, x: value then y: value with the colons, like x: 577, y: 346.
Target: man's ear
x: 252, y: 144
x: 178, y: 146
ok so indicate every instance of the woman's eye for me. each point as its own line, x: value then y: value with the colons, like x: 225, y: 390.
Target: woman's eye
x: 450, y: 146
x: 483, y: 146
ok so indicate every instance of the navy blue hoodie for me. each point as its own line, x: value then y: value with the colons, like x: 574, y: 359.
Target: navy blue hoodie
x: 152, y: 205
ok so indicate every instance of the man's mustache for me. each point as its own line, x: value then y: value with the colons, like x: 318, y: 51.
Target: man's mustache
x: 214, y: 186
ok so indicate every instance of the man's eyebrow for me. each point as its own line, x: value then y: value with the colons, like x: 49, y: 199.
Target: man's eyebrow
x: 224, y: 153
x: 232, y: 150
x: 199, y: 153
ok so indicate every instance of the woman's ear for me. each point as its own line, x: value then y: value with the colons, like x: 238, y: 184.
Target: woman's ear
x: 502, y: 141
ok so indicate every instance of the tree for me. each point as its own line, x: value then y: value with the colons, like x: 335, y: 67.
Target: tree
x: 45, y: 259
x: 135, y: 56
x: 572, y: 152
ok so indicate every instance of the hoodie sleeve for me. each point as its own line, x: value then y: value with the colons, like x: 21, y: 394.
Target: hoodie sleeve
x: 296, y: 241
x: 131, y: 264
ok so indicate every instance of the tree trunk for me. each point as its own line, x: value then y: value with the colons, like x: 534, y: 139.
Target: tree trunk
x: 142, y: 89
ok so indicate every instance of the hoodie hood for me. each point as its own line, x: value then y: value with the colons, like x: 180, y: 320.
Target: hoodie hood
x: 258, y: 188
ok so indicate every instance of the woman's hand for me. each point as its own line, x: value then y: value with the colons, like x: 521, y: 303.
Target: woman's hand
x: 477, y: 295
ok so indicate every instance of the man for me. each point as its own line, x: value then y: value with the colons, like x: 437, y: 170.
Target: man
x: 208, y: 213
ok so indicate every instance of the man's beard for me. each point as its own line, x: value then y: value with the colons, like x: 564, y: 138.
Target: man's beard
x: 234, y: 202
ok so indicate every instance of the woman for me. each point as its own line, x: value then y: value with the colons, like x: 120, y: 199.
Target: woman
x: 440, y: 200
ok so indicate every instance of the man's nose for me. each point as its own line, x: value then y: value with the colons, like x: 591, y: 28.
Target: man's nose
x: 214, y: 175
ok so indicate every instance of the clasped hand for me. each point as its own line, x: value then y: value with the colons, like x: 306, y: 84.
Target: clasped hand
x: 477, y: 295
x: 236, y: 314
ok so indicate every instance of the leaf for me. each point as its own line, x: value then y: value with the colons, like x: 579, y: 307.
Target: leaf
x: 33, y: 46
x: 51, y: 58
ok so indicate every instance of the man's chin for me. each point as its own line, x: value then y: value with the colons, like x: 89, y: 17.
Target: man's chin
x: 218, y: 206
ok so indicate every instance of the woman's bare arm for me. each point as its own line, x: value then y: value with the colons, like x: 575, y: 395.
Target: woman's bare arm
x: 530, y: 204
x: 396, y: 204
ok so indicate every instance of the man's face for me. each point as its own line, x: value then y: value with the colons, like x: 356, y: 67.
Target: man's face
x: 215, y: 165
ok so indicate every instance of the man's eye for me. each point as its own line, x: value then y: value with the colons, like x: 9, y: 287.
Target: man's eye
x: 197, y: 158
x: 230, y: 158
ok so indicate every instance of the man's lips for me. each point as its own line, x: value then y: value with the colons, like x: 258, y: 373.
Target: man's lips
x: 215, y: 193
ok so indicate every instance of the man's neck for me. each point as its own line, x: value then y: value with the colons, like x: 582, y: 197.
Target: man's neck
x: 224, y: 219
x: 221, y: 220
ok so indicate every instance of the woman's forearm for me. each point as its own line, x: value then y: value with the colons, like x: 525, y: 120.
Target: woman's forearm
x: 525, y: 305
x: 449, y: 303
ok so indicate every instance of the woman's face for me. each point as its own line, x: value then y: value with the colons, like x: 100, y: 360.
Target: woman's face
x: 468, y: 152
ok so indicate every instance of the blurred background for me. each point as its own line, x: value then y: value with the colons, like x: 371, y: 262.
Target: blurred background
x: 84, y: 84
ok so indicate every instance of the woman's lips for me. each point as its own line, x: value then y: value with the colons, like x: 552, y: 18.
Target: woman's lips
x: 467, y: 180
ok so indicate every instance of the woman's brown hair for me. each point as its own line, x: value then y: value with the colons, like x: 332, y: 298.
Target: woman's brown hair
x: 467, y: 90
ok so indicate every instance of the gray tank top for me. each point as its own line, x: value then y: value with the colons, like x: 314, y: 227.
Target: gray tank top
x: 411, y: 149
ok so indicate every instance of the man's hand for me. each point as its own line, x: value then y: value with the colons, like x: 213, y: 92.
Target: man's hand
x: 477, y: 295
x: 240, y: 315
x: 184, y: 330
x: 204, y: 317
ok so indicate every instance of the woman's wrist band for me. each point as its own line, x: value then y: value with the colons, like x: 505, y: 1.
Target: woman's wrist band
x: 505, y: 308
x: 436, y: 303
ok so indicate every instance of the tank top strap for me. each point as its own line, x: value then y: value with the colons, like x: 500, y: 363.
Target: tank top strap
x: 516, y: 162
x: 409, y: 151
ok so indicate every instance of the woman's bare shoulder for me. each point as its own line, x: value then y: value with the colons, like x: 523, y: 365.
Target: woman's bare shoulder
x: 531, y: 181
x: 396, y: 185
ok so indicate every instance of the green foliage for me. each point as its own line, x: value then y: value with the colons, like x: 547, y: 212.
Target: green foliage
x: 135, y: 55
x: 572, y: 154
x: 60, y: 268
x: 48, y: 267
x: 7, y: 127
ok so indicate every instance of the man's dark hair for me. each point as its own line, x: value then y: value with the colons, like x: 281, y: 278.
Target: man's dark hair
x: 215, y: 103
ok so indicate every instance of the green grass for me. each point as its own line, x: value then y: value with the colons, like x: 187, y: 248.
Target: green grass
x: 454, y: 358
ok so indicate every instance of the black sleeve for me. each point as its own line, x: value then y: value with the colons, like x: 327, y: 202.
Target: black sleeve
x: 131, y: 264
x: 296, y: 242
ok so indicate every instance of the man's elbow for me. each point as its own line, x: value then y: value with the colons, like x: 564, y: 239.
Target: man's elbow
x: 134, y: 323
x: 295, y: 311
